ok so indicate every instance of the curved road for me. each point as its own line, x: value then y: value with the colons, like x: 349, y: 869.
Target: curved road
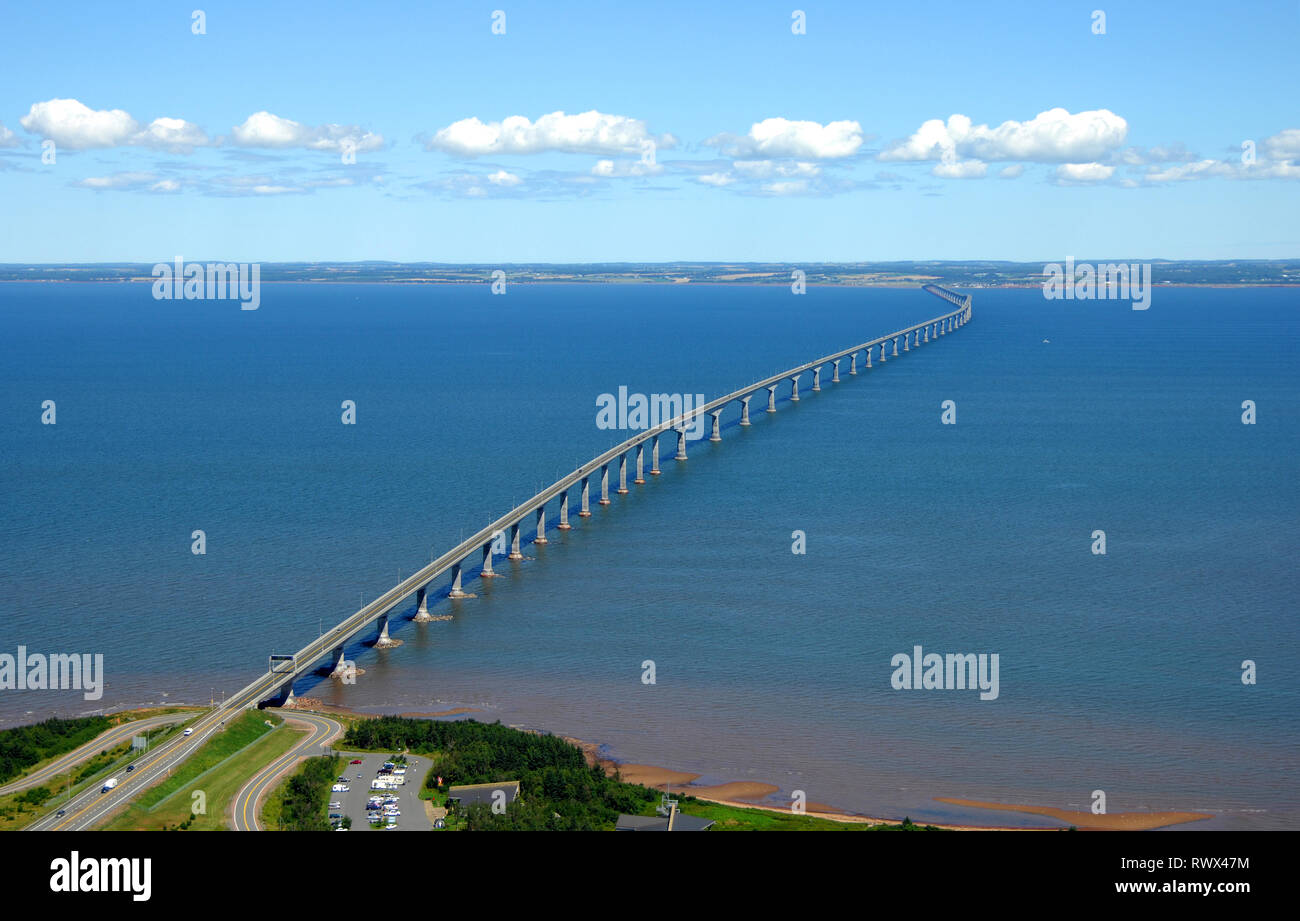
x: 109, y: 738
x: 323, y: 730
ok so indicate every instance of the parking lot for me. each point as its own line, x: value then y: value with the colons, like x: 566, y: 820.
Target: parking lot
x: 353, y: 803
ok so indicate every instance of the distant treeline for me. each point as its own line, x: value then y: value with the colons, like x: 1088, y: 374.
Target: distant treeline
x: 24, y: 746
x: 558, y: 790
x: 304, y: 800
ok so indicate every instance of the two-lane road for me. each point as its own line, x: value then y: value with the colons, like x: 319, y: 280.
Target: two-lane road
x: 247, y: 803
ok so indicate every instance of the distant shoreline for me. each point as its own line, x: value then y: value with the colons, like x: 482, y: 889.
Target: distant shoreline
x: 898, y: 285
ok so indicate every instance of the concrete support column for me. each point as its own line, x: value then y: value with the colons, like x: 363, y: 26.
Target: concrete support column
x: 716, y: 436
x: 564, y: 513
x: 895, y: 346
x: 869, y: 350
x: 541, y: 525
x: 835, y: 378
x: 681, y: 445
x: 853, y: 363
x: 604, y: 484
x: 422, y: 606
x: 385, y: 641
x: 584, y: 511
x: 654, y: 456
x: 640, y: 464
x: 456, y: 590
x: 515, y: 552
x: 906, y: 338
x: 883, y: 359
x: 927, y: 333
x: 622, y: 474
x: 771, y: 399
x: 338, y: 671
x: 817, y: 380
x: 744, y: 409
x: 794, y: 388
x: 487, y: 571
x: 942, y: 324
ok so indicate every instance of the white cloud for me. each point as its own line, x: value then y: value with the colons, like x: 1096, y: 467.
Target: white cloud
x: 503, y: 178
x: 1084, y: 172
x: 780, y: 137
x: 1011, y: 172
x: 1053, y: 136
x: 76, y: 126
x: 716, y: 179
x: 263, y: 129
x: 762, y: 169
x: 609, y: 169
x: 960, y: 169
x: 790, y: 187
x: 1285, y: 145
x: 7, y: 137
x: 587, y: 132
x: 71, y: 124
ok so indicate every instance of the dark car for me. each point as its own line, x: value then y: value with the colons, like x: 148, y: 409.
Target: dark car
x: 356, y: 760
x: 130, y: 768
x: 60, y: 814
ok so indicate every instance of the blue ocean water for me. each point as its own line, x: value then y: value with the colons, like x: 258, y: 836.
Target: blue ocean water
x: 1118, y: 672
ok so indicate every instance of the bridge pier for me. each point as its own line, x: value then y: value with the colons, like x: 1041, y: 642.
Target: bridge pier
x: 515, y: 552
x: 716, y: 436
x: 942, y: 323
x: 640, y: 464
x: 654, y: 456
x: 604, y: 484
x: 681, y: 445
x: 817, y: 379
x: 895, y: 346
x: 794, y: 388
x: 541, y: 525
x: 622, y: 474
x: 927, y: 333
x: 422, y: 606
x: 564, y: 513
x: 744, y: 409
x: 456, y: 590
x: 835, y: 378
x: 385, y: 641
x: 771, y: 399
x: 853, y: 363
x: 340, y: 670
x: 585, y: 510
x: 487, y: 572
x: 883, y: 359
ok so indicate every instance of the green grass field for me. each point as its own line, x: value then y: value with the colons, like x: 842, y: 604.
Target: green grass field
x: 218, y: 769
x: 735, y: 818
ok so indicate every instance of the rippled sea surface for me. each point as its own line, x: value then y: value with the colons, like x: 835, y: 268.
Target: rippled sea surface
x: 1119, y: 672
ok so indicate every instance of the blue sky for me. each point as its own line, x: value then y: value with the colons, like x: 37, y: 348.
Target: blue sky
x: 531, y: 146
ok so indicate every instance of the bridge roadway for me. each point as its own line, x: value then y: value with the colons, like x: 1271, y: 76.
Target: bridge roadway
x: 91, y: 807
x: 455, y: 558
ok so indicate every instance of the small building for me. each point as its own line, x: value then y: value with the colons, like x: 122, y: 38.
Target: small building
x: 485, y: 793
x: 673, y: 821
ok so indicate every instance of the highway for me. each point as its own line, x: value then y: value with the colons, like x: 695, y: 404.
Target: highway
x: 247, y: 802
x: 109, y: 738
x: 91, y: 807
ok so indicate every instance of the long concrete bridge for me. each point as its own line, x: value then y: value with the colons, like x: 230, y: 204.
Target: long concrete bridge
x: 474, y: 555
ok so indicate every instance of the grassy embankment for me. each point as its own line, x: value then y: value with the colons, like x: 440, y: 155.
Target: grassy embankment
x: 218, y: 769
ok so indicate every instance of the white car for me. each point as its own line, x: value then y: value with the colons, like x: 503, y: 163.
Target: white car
x: 189, y: 731
x: 336, y: 805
